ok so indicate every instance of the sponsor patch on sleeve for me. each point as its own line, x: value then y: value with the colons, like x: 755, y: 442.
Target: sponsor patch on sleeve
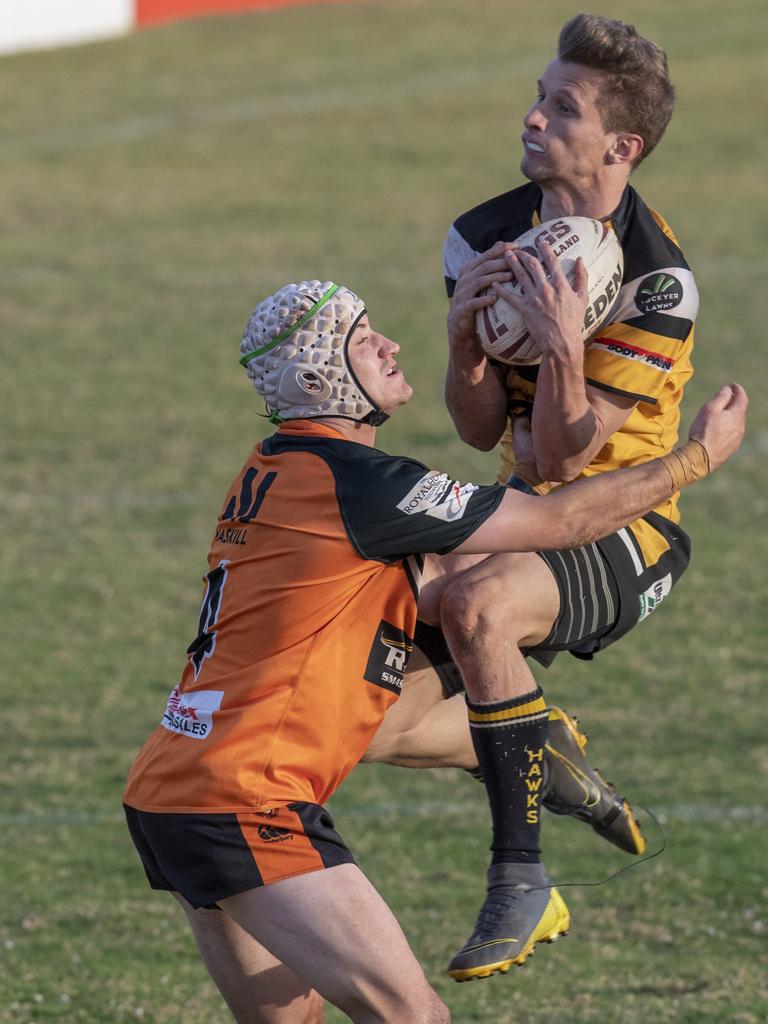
x: 635, y: 354
x: 455, y: 502
x: 669, y: 290
x: 427, y: 493
x: 191, y: 714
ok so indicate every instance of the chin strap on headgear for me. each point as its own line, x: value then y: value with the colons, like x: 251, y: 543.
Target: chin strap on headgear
x: 295, y: 348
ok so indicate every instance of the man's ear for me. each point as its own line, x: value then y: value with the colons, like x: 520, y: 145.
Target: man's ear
x: 625, y: 149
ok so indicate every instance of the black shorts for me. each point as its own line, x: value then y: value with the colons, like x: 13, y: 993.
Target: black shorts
x: 207, y: 857
x: 605, y: 590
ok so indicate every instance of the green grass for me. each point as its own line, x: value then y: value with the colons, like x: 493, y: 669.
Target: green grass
x: 154, y: 189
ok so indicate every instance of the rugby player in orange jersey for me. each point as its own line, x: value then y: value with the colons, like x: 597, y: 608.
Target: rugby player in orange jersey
x: 319, y: 554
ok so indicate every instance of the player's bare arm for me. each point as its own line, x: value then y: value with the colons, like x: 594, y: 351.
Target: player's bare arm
x: 571, y: 419
x: 474, y: 391
x: 574, y: 516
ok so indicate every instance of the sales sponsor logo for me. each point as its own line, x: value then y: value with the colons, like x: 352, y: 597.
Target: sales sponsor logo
x: 191, y: 714
x: 659, y: 293
x: 653, y: 596
x: 634, y: 353
x: 426, y: 493
x: 388, y: 657
x: 455, y: 503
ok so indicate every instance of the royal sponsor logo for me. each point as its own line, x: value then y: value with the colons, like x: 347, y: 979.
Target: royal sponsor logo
x: 658, y: 293
x: 426, y: 494
x: 191, y: 714
x: 455, y: 502
x: 654, y: 595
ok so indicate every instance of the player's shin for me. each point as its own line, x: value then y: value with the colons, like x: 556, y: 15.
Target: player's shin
x: 509, y: 738
x: 521, y: 907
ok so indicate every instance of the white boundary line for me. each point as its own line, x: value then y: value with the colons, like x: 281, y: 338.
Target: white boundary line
x: 704, y: 813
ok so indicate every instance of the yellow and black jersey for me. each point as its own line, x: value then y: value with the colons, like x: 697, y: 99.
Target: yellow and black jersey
x: 306, y: 623
x: 643, y: 350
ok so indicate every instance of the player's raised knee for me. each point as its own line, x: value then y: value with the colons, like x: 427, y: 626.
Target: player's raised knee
x: 470, y: 609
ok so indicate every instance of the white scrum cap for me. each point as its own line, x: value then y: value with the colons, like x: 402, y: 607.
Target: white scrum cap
x: 295, y: 350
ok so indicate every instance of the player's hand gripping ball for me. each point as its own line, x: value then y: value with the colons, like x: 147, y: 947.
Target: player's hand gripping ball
x: 502, y: 330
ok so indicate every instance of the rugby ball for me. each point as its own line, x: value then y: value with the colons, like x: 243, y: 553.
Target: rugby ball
x: 503, y: 332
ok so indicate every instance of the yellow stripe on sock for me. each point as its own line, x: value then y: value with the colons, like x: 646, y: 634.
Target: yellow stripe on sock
x: 508, y: 714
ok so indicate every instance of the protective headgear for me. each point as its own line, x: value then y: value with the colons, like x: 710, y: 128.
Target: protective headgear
x: 295, y: 348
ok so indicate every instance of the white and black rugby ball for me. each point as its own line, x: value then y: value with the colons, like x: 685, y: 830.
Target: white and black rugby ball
x: 502, y: 331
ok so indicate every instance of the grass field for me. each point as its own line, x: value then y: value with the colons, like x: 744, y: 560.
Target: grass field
x: 154, y: 188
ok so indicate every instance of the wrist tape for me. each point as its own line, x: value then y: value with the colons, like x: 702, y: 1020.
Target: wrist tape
x: 686, y: 464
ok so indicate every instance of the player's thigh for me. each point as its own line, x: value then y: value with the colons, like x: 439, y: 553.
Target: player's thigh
x: 337, y: 933
x: 515, y: 595
x: 256, y: 986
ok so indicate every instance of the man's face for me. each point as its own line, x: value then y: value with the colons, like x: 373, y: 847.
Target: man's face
x: 372, y: 358
x: 564, y: 140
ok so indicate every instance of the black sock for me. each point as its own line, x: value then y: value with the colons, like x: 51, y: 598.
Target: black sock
x: 509, y: 738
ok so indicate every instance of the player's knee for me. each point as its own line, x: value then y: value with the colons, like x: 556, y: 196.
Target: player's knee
x: 471, y: 611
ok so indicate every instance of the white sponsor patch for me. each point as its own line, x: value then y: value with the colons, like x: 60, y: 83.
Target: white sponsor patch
x: 456, y: 252
x: 455, y: 504
x: 638, y: 296
x: 654, y: 595
x: 191, y: 714
x: 426, y: 494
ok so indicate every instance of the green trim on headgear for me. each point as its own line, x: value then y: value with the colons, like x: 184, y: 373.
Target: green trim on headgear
x: 290, y: 330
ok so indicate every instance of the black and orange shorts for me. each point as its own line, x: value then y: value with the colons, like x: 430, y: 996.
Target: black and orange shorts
x: 207, y: 857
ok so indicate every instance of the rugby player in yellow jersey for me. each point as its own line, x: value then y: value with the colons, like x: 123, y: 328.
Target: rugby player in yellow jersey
x: 602, y: 105
x: 319, y: 553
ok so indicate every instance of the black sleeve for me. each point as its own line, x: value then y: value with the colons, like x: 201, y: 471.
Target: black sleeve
x: 393, y: 506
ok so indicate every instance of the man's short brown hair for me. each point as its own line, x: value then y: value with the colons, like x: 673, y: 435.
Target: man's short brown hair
x: 638, y: 96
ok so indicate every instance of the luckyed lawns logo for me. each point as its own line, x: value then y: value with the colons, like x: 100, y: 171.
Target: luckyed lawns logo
x: 658, y: 293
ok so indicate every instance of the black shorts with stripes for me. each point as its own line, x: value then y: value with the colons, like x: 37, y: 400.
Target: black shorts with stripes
x: 605, y: 590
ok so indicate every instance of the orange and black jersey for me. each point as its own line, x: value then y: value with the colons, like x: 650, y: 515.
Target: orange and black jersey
x: 306, y: 623
x: 642, y: 351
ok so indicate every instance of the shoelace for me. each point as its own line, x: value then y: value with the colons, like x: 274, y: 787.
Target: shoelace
x: 497, y: 905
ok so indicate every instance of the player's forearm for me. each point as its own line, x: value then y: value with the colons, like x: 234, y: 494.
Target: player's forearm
x: 476, y: 403
x: 593, y: 508
x: 575, y: 515
x: 566, y: 432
